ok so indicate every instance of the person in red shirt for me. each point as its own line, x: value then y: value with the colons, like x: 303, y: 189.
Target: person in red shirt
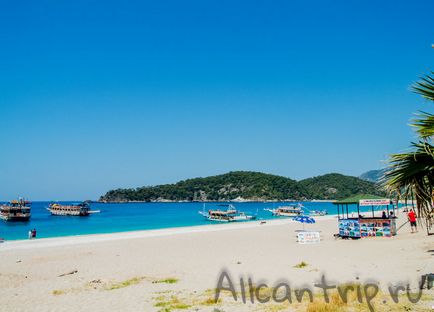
x: 412, y: 218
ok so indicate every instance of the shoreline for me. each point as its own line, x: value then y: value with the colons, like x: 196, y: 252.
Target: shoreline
x: 106, y: 237
x: 163, y: 201
x: 154, y: 232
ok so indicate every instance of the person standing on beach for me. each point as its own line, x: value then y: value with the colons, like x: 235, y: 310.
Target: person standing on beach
x: 412, y: 218
x: 30, y: 234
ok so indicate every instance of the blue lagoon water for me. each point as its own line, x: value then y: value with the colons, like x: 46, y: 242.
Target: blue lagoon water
x: 130, y: 217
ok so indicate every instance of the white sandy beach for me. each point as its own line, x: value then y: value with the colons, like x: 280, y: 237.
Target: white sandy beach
x: 144, y: 270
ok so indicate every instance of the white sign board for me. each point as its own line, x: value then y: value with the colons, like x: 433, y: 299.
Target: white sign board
x: 308, y: 237
x: 374, y: 202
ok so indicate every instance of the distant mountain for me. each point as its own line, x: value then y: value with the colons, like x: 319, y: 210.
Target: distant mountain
x: 246, y: 185
x: 373, y: 175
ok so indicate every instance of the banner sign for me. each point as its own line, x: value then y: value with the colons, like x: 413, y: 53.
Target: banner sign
x: 374, y: 202
x: 308, y: 237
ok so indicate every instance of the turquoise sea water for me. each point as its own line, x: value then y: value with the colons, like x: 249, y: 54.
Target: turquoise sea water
x: 129, y: 217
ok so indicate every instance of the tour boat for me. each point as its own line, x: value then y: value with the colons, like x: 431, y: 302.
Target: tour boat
x: 228, y: 215
x: 16, y: 210
x: 82, y: 209
x: 287, y: 211
x: 317, y: 213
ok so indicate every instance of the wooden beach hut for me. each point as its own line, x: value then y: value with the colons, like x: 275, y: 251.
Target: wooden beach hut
x: 354, y: 223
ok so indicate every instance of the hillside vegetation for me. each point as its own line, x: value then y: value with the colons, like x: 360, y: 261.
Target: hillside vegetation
x: 338, y: 186
x: 249, y: 186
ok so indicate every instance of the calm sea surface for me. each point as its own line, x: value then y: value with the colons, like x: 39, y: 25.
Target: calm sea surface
x: 129, y: 217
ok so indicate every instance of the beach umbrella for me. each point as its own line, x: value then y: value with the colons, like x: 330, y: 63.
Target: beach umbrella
x: 304, y: 219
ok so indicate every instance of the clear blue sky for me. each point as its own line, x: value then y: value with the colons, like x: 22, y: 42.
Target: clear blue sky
x: 96, y: 95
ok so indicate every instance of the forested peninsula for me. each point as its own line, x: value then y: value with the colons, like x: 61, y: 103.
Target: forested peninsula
x: 248, y: 186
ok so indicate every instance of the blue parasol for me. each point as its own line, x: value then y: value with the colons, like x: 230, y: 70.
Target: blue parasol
x: 304, y: 219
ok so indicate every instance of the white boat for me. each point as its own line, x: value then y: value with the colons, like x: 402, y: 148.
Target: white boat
x: 228, y: 215
x: 241, y: 216
x: 287, y: 211
x: 318, y: 213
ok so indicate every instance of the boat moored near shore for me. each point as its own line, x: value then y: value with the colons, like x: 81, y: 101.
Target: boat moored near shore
x: 228, y: 215
x: 287, y: 211
x: 82, y: 209
x: 16, y: 210
x: 318, y: 213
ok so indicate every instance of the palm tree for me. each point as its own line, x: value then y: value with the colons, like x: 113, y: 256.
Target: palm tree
x: 411, y: 174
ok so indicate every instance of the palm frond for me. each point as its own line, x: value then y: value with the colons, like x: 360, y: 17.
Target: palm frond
x: 424, y: 124
x: 425, y: 87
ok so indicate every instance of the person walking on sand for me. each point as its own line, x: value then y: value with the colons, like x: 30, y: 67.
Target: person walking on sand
x: 412, y: 219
